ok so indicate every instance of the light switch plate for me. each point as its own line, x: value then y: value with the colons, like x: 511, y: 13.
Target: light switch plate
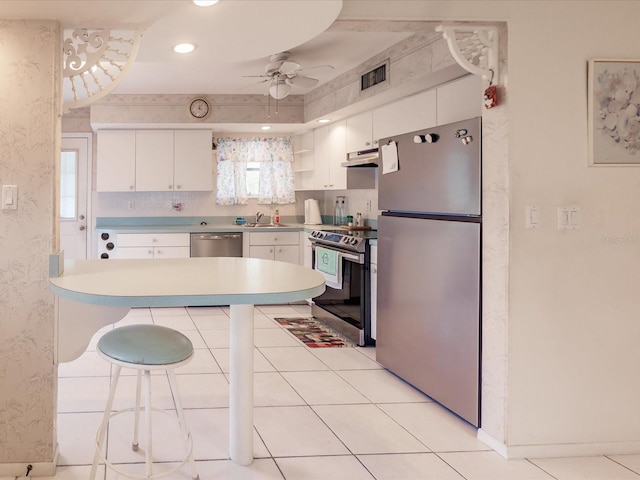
x: 532, y: 216
x: 9, y: 197
x: 568, y: 217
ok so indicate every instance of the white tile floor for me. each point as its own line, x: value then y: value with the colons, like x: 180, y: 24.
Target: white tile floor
x: 324, y: 414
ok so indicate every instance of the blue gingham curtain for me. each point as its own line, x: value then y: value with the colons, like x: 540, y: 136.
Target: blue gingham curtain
x: 275, y: 156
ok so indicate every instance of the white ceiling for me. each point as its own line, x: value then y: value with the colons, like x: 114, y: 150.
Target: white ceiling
x: 234, y: 38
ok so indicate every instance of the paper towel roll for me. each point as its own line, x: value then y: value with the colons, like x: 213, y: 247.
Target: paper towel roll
x: 312, y: 212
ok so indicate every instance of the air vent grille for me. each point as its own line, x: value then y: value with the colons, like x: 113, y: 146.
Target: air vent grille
x: 374, y: 77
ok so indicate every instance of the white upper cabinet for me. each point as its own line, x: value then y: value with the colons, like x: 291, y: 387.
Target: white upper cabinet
x: 321, y: 158
x: 337, y: 154
x: 360, y: 132
x: 406, y: 115
x: 154, y: 160
x: 116, y: 161
x: 193, y: 161
x: 329, y: 152
x: 460, y: 99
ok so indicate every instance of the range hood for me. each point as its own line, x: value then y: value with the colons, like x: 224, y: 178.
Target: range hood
x: 363, y: 158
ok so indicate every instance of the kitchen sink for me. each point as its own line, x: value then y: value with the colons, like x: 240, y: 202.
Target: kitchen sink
x: 263, y: 225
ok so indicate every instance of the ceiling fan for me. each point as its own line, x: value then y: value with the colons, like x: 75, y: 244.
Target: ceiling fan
x: 281, y: 74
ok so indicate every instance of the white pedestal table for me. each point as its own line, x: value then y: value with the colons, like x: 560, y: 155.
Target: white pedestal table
x: 91, y: 294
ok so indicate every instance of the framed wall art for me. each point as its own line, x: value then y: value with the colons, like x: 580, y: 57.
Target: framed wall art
x: 614, y: 112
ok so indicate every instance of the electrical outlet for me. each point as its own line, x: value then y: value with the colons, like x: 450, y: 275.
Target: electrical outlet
x: 368, y: 205
x: 131, y: 206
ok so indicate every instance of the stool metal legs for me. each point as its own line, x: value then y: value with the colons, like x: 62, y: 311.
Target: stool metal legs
x: 143, y: 387
x: 105, y: 422
x: 183, y: 424
x: 135, y: 444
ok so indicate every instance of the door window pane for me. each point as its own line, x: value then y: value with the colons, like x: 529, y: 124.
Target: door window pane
x: 68, y: 185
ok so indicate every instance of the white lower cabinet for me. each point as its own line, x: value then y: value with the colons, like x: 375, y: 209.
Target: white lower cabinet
x: 281, y: 246
x: 306, y: 253
x: 374, y: 289
x: 146, y: 245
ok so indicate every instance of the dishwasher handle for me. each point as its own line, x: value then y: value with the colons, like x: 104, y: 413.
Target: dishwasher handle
x: 213, y: 236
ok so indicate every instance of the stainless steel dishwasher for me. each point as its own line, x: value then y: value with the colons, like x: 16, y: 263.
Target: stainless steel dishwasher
x: 217, y: 244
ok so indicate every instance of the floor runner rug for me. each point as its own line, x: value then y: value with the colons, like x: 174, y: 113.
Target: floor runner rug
x: 313, y: 333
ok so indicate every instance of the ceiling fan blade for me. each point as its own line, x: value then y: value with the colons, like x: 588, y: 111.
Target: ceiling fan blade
x: 317, y: 67
x: 304, y: 82
x: 253, y: 84
x: 288, y: 67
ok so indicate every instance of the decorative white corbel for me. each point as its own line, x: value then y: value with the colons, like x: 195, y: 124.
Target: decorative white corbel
x: 474, y: 47
x: 95, y: 62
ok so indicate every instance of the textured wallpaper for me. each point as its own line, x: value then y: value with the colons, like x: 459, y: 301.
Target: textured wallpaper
x: 29, y: 135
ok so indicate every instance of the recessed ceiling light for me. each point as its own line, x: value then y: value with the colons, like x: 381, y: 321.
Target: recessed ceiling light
x: 184, y: 48
x: 324, y: 120
x: 265, y: 127
x: 205, y: 3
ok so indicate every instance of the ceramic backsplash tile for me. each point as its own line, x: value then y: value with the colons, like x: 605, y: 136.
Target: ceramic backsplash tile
x: 29, y: 135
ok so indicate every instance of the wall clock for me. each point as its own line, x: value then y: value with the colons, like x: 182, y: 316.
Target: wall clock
x: 199, y: 108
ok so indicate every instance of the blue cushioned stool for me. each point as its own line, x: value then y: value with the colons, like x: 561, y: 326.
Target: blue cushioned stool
x: 144, y: 348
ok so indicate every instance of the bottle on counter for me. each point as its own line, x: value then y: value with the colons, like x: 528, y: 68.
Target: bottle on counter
x: 276, y: 218
x: 340, y: 218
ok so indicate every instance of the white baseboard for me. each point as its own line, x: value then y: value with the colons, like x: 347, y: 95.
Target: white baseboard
x: 559, y: 449
x: 40, y: 469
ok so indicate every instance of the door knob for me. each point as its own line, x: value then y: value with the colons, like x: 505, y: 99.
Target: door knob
x: 82, y: 227
x: 81, y: 217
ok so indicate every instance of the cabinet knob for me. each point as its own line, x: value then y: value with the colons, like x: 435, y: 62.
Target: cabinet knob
x: 82, y: 227
x: 367, y: 143
x: 178, y: 187
x: 150, y: 252
x: 169, y: 187
x: 130, y: 187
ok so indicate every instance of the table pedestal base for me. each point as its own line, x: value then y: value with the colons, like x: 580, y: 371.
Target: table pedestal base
x: 241, y: 385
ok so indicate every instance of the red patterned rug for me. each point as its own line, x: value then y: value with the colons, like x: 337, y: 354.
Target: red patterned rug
x: 313, y: 333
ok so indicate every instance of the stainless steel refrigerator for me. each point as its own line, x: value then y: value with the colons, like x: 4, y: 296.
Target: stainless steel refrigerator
x: 429, y: 265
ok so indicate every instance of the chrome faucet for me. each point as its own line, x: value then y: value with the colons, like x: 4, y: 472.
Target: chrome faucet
x: 258, y: 217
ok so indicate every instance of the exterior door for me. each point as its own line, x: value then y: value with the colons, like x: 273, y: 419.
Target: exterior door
x: 74, y: 206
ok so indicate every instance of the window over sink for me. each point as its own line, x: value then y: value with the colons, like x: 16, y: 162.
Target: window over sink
x: 255, y: 168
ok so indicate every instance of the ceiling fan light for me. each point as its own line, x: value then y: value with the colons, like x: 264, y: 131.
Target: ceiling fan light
x: 205, y: 3
x: 184, y: 48
x: 279, y: 90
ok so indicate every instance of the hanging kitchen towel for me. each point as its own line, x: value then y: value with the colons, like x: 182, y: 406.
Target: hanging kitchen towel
x: 329, y: 265
x: 389, y: 157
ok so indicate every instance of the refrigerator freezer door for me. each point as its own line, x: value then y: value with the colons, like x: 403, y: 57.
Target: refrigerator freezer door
x: 438, y: 177
x: 428, y: 330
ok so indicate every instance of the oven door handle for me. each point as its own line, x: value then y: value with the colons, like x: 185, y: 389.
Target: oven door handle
x: 350, y: 256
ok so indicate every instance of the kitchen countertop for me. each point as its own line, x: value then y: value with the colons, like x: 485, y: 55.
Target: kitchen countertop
x: 190, y: 225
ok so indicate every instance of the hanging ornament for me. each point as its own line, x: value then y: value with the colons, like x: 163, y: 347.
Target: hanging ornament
x: 491, y: 97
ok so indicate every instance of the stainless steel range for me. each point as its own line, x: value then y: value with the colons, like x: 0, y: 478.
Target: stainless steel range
x: 343, y: 257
